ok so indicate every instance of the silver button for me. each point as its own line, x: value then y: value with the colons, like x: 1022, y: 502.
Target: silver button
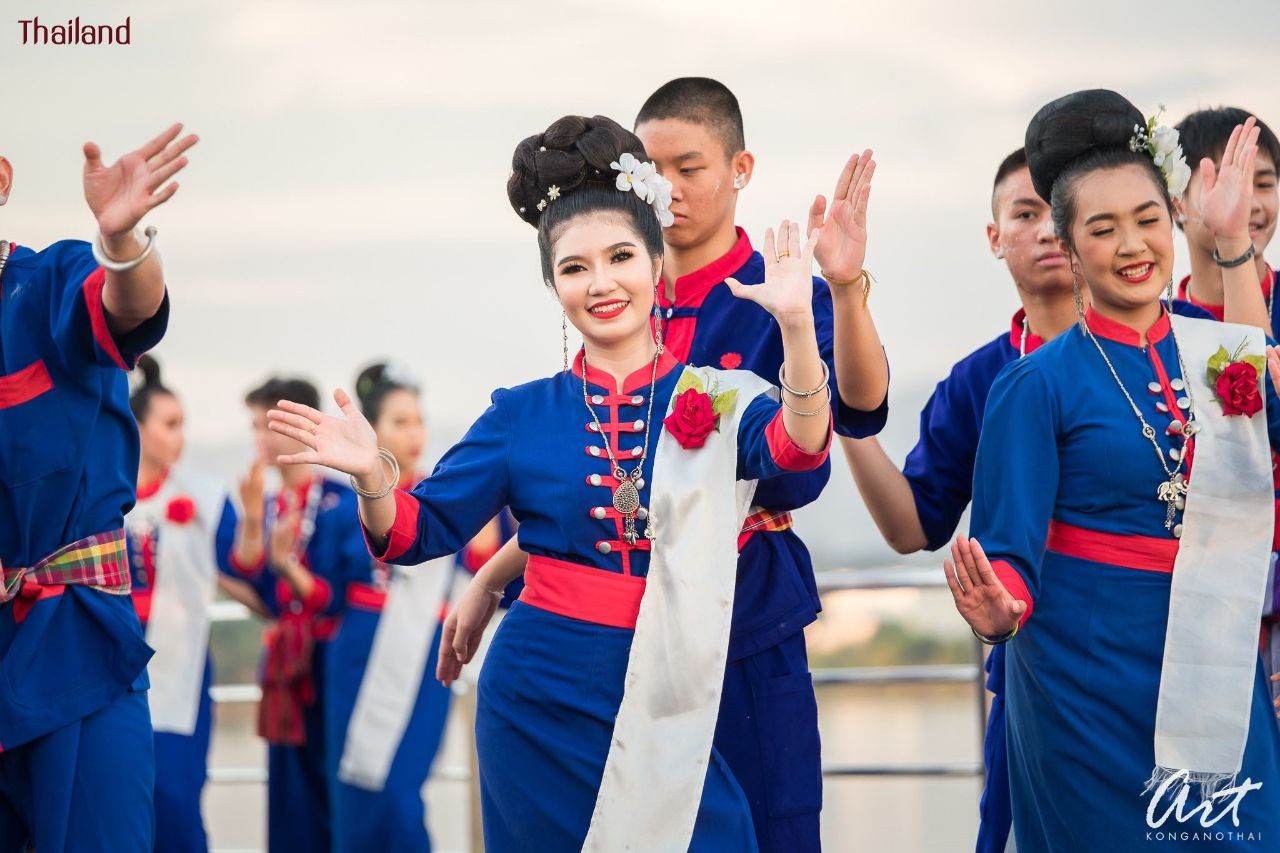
x: 1177, y: 384
x: 640, y: 483
x: 594, y: 451
x: 594, y: 479
x: 1175, y: 454
x: 1177, y: 531
x: 637, y: 400
x: 1153, y: 387
x: 1180, y: 502
x: 670, y: 311
x: 1174, y: 428
x: 598, y: 512
x: 642, y: 513
x: 1162, y: 408
x: 597, y: 399
x: 639, y: 424
x: 604, y: 547
x: 593, y: 427
x: 1184, y: 402
x: 636, y: 451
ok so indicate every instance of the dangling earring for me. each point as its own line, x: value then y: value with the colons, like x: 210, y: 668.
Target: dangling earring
x: 564, y: 337
x: 1075, y: 290
x: 1168, y: 295
x: 657, y: 322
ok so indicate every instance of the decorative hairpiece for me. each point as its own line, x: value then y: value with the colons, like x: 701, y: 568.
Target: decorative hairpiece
x: 1161, y: 142
x: 643, y: 179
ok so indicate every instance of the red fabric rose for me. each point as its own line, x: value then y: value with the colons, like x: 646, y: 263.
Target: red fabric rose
x: 692, y: 419
x: 1237, y: 388
x: 731, y: 361
x: 181, y: 510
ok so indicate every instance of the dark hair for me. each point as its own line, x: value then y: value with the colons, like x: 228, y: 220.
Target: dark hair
x: 1010, y: 164
x: 148, y: 370
x: 278, y: 388
x: 1079, y: 134
x: 573, y: 156
x: 1204, y: 133
x: 698, y: 100
x: 373, y: 385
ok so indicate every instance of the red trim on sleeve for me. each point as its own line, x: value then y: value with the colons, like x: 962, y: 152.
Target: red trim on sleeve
x: 789, y: 455
x: 249, y: 571
x: 25, y: 385
x: 403, y: 532
x: 98, y: 316
x: 320, y: 596
x: 1016, y: 586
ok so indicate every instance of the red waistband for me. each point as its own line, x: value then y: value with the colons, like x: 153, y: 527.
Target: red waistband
x: 366, y: 597
x: 1145, y: 553
x: 582, y: 592
x: 763, y: 521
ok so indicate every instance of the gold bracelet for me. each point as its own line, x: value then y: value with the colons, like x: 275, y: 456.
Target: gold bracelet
x: 996, y: 641
x: 865, y: 278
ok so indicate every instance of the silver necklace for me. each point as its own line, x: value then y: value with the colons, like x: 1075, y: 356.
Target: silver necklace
x: 4, y: 255
x: 1173, y: 490
x: 1022, y: 343
x: 626, y: 499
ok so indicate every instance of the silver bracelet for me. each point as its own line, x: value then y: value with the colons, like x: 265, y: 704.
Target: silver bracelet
x: 384, y: 455
x: 100, y: 254
x: 496, y: 593
x: 826, y: 375
x: 1233, y: 262
x: 817, y: 411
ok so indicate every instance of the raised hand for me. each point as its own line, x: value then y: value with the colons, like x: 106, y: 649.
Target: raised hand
x: 980, y: 597
x: 284, y: 535
x: 842, y: 231
x: 787, y: 291
x: 252, y: 489
x: 1273, y: 366
x: 463, y: 630
x: 347, y: 444
x: 1226, y: 193
x: 121, y: 194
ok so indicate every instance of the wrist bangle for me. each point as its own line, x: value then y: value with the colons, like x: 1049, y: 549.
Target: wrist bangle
x: 389, y: 484
x: 1234, y: 262
x: 996, y: 641
x: 865, y: 278
x: 825, y: 404
x: 496, y: 593
x: 100, y: 254
x: 826, y: 375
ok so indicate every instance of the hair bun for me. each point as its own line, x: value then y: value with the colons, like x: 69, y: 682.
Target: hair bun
x: 148, y: 371
x: 569, y: 153
x: 1072, y: 126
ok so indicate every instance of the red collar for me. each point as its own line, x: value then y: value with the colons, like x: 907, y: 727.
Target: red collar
x: 148, y: 490
x: 1184, y: 292
x: 1112, y: 330
x: 1033, y: 341
x: 692, y: 288
x: 636, y: 380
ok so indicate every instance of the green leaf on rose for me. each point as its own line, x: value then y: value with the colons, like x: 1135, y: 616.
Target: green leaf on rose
x: 688, y: 380
x: 723, y: 403
x: 1259, y: 362
x: 1217, y: 363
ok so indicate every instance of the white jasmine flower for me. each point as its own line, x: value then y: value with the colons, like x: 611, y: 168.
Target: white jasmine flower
x: 642, y: 178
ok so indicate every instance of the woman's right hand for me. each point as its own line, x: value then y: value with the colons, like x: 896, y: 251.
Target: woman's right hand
x: 980, y: 597
x: 463, y: 630
x: 252, y: 489
x: 347, y: 444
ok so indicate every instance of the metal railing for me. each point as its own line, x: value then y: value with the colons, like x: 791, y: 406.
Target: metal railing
x: 841, y: 580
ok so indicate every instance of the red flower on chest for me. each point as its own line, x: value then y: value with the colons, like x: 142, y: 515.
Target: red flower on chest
x: 731, y: 361
x: 692, y: 418
x: 1237, y: 388
x: 180, y: 510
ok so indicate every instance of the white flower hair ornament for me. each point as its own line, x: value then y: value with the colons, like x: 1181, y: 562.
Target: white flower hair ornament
x: 642, y: 178
x: 1161, y: 142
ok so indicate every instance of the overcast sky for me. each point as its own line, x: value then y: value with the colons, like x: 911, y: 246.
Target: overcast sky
x: 347, y: 198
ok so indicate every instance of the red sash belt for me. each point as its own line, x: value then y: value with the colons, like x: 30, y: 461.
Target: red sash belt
x: 1145, y: 553
x: 582, y: 592
x: 100, y: 561
x: 763, y: 521
x: 366, y: 597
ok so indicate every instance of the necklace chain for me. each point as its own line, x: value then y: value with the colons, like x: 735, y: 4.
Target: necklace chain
x: 626, y: 499
x: 1173, y: 490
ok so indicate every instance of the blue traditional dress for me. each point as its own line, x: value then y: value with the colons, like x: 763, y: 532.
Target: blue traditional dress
x: 76, y: 764
x: 1064, y: 506
x: 768, y: 730
x: 176, y: 516
x: 553, y: 679
x: 294, y: 668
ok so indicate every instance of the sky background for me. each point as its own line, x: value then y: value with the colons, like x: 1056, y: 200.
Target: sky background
x: 347, y: 199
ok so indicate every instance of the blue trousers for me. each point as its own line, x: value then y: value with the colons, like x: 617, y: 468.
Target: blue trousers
x: 84, y: 787
x: 298, y: 788
x: 768, y: 735
x: 995, y: 809
x: 182, y: 765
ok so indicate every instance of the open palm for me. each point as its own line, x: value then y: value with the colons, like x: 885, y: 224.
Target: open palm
x: 347, y: 444
x: 787, y: 290
x: 1226, y: 194
x: 121, y: 194
x: 979, y: 596
x: 842, y: 231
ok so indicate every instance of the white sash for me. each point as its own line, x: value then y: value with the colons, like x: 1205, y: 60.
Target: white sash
x: 393, y: 677
x: 1219, y: 576
x: 182, y: 589
x: 657, y: 763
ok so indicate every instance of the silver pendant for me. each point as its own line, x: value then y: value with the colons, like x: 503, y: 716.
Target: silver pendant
x: 626, y: 499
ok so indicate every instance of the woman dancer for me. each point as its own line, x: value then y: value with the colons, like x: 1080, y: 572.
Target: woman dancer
x: 179, y: 525
x: 1126, y: 584
x: 630, y: 475
x: 385, y: 714
x: 72, y: 656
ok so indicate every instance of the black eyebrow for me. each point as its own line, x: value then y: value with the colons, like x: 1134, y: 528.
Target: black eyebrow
x: 688, y: 155
x: 1029, y: 202
x: 614, y: 247
x: 1099, y: 216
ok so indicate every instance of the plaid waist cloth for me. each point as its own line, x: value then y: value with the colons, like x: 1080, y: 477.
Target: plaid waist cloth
x: 100, y: 561
x: 763, y: 521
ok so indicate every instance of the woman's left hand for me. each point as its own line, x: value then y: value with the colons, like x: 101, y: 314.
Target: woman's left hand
x: 1273, y: 366
x: 121, y: 194
x: 1226, y: 193
x: 787, y: 290
x: 842, y: 230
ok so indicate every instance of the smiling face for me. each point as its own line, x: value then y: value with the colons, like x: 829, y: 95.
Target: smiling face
x: 702, y: 174
x: 604, y: 277
x: 1262, y: 217
x: 1122, y: 238
x: 160, y: 431
x: 1023, y: 234
x: 400, y: 428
